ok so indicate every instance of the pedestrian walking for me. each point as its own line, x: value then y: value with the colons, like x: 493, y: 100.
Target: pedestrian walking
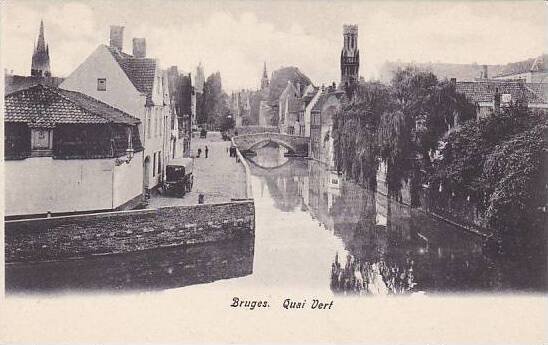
x: 206, y: 151
x: 199, y: 152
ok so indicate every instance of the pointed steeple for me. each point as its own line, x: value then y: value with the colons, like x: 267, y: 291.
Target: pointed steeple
x: 41, y: 44
x: 40, y: 57
x: 264, y: 79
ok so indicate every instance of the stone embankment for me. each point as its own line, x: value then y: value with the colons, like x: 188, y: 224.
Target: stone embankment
x: 126, y: 231
x: 227, y: 213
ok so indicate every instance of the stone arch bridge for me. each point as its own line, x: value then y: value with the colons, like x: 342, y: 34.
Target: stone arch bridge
x: 294, y: 144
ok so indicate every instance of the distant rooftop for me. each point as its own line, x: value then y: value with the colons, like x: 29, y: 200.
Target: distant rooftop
x: 484, y: 90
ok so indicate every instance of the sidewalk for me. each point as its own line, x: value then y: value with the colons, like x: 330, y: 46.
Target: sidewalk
x: 219, y: 177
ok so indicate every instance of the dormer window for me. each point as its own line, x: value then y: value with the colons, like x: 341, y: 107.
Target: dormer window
x: 101, y: 84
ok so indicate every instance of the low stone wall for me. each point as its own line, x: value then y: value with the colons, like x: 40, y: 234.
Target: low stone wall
x: 256, y: 129
x: 243, y: 161
x: 126, y: 231
x: 459, y: 212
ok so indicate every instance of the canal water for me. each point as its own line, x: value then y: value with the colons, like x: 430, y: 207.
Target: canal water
x: 314, y: 232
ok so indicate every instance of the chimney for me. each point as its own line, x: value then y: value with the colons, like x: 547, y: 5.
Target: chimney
x: 485, y: 75
x: 139, y: 48
x: 117, y: 37
x: 497, y: 101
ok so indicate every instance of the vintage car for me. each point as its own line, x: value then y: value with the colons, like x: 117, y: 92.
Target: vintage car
x: 179, y: 177
x: 203, y: 133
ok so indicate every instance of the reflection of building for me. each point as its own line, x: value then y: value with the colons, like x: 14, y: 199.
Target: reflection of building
x: 67, y: 152
x: 324, y: 188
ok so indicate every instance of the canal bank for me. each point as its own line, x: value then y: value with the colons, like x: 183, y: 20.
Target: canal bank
x: 81, y: 236
x: 313, y: 234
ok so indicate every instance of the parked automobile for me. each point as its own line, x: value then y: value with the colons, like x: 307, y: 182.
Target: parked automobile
x: 179, y: 179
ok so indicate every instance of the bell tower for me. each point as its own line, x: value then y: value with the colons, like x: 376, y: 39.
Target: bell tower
x: 350, y: 59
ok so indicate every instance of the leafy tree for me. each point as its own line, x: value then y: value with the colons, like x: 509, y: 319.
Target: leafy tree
x: 498, y: 161
x: 215, y: 100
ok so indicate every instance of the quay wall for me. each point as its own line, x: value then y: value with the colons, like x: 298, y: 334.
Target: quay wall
x: 80, y: 236
x: 243, y: 161
x: 256, y: 129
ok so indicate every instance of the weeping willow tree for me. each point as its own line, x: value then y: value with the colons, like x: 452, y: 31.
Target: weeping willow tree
x: 355, y: 132
x: 396, y: 148
x: 380, y: 123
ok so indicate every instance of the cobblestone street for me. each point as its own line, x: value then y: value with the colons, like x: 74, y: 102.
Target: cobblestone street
x: 219, y: 177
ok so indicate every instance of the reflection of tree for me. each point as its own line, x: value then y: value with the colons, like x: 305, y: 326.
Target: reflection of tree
x: 372, y: 277
x: 409, y: 252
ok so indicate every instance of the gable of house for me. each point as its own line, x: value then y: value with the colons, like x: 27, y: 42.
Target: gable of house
x: 119, y: 91
x: 143, y: 73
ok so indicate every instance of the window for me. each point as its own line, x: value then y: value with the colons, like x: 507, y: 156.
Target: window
x: 101, y: 84
x: 41, y: 139
x: 155, y: 122
x: 159, y: 162
x: 154, y: 165
x: 161, y: 123
x: 148, y: 124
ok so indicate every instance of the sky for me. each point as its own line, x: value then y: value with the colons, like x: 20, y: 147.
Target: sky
x: 236, y: 37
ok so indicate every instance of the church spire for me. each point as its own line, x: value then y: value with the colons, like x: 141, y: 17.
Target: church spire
x: 41, y: 44
x: 264, y: 79
x: 40, y: 57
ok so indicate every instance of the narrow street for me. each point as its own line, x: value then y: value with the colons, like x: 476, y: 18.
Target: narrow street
x: 219, y: 177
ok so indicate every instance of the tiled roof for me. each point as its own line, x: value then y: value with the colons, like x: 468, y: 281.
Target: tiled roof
x: 140, y: 71
x: 484, y: 91
x: 14, y: 83
x: 44, y: 105
x: 538, y: 64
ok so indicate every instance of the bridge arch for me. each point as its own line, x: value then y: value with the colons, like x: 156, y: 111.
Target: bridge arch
x: 295, y: 144
x: 262, y: 141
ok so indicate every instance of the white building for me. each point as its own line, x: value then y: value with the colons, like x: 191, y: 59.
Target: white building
x: 66, y: 152
x: 136, y: 85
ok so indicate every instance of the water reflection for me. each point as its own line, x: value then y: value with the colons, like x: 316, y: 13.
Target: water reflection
x: 271, y: 155
x: 315, y: 231
x: 387, y: 248
x: 146, y: 270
